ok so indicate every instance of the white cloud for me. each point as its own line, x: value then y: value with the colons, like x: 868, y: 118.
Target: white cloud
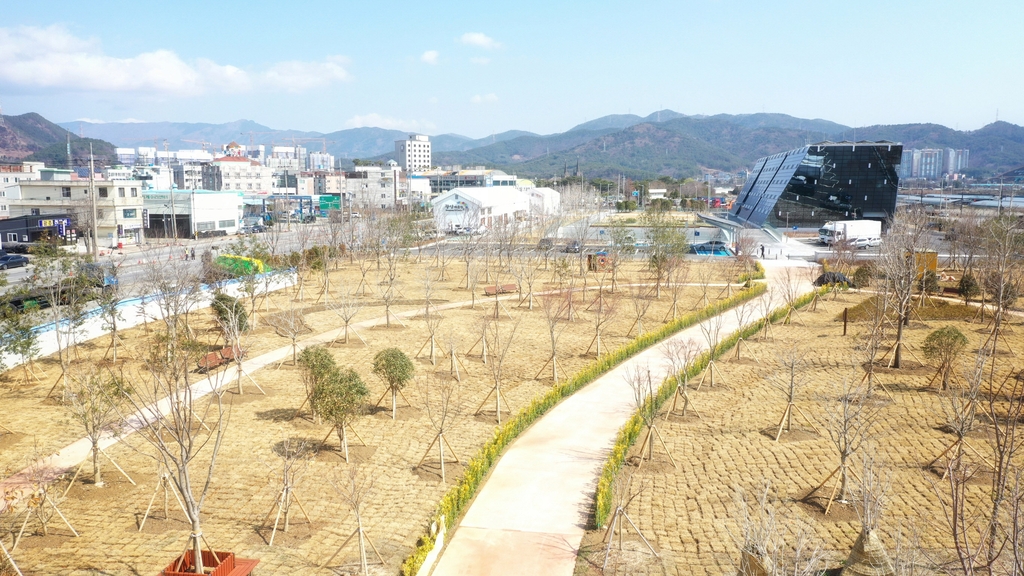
x: 480, y: 60
x: 53, y: 57
x: 375, y: 120
x: 486, y: 98
x: 296, y: 76
x: 479, y: 39
x: 430, y: 56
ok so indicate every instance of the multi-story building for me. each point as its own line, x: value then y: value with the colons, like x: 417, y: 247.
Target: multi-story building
x: 376, y: 187
x: 119, y: 217
x: 126, y: 156
x: 13, y: 173
x: 188, y: 175
x: 478, y: 177
x: 414, y: 153
x: 291, y: 158
x: 933, y: 163
x: 237, y: 173
x: 320, y: 161
x: 826, y: 181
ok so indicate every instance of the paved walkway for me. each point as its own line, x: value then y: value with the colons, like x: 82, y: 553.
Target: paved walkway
x: 530, y: 516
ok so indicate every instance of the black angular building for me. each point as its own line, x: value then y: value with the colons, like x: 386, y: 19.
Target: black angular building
x: 826, y: 181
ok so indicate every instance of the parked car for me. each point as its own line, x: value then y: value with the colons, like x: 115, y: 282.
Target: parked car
x: 309, y: 219
x: 573, y: 247
x: 545, y: 244
x: 12, y: 261
x: 862, y: 243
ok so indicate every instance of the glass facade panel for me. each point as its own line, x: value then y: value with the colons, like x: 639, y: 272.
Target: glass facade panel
x: 829, y: 181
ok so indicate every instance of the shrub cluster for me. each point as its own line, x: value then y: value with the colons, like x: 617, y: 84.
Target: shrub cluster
x: 455, y: 500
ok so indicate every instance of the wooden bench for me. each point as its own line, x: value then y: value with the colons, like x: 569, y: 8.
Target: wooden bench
x: 218, y: 358
x: 502, y: 289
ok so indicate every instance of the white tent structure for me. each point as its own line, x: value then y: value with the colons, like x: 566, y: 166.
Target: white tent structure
x: 472, y: 208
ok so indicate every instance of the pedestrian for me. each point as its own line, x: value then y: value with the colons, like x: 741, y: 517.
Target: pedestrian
x: 193, y: 254
x: 762, y: 251
x: 185, y: 256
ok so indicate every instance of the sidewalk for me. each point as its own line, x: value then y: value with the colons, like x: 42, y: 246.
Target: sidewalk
x: 530, y: 516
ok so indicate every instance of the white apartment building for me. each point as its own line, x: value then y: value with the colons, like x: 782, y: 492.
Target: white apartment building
x: 319, y: 161
x: 13, y: 173
x: 118, y: 204
x: 291, y: 158
x: 414, y: 153
x: 238, y: 174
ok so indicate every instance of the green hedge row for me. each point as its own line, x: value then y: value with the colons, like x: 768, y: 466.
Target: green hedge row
x: 757, y: 274
x: 455, y: 500
x: 630, y: 431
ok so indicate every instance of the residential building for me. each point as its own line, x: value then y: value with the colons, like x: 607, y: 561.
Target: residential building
x: 119, y: 215
x: 291, y: 158
x: 320, y: 161
x: 375, y: 187
x: 14, y: 173
x: 821, y: 182
x: 413, y: 153
x: 933, y: 163
x: 188, y: 175
x: 237, y: 173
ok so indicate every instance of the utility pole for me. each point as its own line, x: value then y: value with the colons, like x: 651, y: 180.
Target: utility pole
x: 170, y: 192
x: 92, y: 197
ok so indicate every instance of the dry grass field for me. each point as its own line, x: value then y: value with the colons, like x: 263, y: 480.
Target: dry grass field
x: 690, y: 512
x: 247, y: 483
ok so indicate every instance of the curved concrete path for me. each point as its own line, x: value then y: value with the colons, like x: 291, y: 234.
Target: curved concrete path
x: 530, y: 516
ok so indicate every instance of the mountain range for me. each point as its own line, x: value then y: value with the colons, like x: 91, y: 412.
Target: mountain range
x: 664, y: 143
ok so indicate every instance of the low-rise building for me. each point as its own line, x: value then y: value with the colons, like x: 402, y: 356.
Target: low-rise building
x: 473, y: 208
x: 192, y: 212
x: 119, y: 216
x: 479, y: 177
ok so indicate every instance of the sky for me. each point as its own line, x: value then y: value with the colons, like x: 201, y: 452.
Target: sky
x: 480, y: 68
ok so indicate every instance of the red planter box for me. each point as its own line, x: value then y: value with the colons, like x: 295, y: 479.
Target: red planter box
x: 229, y: 565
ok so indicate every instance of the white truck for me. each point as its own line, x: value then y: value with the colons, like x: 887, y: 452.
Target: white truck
x: 837, y: 231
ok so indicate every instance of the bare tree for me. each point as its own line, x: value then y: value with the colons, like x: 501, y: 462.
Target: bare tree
x: 644, y: 396
x: 872, y: 492
x: 793, y: 360
x: 960, y: 407
x: 347, y: 306
x: 498, y: 338
x: 290, y: 323
x: 605, y: 308
x: 640, y: 299
x: 678, y: 276
x: 295, y: 457
x: 899, y: 263
x: 57, y: 275
x: 167, y: 407
x: 623, y: 494
x: 711, y: 328
x: 93, y: 400
x: 355, y: 486
x: 762, y: 537
x: 742, y: 313
x: 442, y: 400
x: 849, y: 414
x: 680, y: 355
x: 554, y: 304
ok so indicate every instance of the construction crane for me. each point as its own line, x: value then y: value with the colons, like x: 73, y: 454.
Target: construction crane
x: 202, y: 143
x: 324, y: 141
x: 252, y: 133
